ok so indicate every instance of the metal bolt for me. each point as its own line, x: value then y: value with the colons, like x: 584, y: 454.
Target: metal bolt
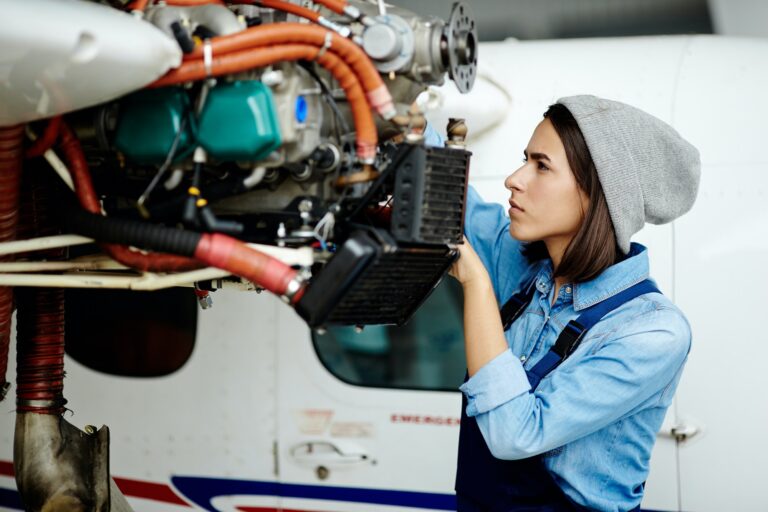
x: 206, y: 302
x: 322, y: 472
x: 89, y: 429
x: 302, y: 175
x: 305, y: 205
x: 271, y: 176
x: 273, y: 78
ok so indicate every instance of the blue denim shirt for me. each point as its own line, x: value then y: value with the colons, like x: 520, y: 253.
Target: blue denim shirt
x: 596, y: 416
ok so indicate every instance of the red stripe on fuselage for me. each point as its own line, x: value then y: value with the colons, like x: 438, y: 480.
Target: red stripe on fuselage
x: 6, y: 468
x: 129, y: 487
x: 268, y: 509
x: 149, y: 491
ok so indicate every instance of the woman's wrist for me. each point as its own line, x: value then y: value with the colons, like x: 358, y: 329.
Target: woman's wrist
x: 479, y: 281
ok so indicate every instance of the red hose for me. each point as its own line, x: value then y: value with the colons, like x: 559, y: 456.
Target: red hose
x: 214, y: 250
x: 81, y: 177
x: 47, y: 140
x: 225, y: 252
x: 40, y: 358
x: 11, y: 139
x: 40, y: 311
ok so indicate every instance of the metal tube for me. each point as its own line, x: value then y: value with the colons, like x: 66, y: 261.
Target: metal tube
x: 42, y: 243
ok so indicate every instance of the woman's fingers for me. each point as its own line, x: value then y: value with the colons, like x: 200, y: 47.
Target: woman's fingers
x: 468, y: 265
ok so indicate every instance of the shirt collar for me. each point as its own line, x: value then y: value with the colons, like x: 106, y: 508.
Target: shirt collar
x: 616, y: 278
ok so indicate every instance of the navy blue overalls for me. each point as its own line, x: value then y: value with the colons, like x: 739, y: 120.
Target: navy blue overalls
x: 485, y: 483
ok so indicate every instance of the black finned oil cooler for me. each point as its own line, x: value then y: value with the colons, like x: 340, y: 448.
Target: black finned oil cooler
x: 430, y: 192
x: 380, y: 277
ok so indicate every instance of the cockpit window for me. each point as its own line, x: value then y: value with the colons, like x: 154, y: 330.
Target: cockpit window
x: 426, y: 353
x: 128, y: 333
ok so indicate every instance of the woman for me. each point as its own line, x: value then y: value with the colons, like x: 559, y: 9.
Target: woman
x: 569, y: 383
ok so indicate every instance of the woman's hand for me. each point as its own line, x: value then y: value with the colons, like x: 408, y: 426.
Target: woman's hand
x: 483, y: 334
x: 468, y: 269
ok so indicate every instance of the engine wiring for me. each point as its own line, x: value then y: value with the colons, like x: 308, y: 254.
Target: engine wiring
x: 328, y: 150
x: 296, y: 168
x: 162, y: 169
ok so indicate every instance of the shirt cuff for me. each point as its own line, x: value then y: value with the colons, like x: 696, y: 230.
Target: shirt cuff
x: 499, y: 381
x: 432, y: 137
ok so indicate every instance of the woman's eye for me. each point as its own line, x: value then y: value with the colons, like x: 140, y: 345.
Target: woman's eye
x: 543, y: 167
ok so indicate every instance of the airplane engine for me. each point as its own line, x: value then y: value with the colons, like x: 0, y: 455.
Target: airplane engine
x: 264, y: 122
x: 255, y: 144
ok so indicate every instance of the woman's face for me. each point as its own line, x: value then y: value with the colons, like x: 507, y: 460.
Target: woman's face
x: 546, y: 203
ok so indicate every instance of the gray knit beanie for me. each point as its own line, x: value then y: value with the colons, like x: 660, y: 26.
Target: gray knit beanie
x: 648, y: 172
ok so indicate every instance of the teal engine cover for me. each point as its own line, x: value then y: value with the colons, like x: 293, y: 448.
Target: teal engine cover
x: 148, y: 122
x: 239, y: 122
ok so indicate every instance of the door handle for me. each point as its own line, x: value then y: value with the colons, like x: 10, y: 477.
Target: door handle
x: 681, y: 432
x: 328, y: 454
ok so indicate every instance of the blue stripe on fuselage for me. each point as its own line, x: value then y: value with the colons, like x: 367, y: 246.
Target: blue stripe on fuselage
x: 202, y: 490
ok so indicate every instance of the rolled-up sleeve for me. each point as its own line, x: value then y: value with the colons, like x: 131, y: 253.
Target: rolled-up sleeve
x: 636, y: 367
x: 497, y: 382
x: 432, y: 137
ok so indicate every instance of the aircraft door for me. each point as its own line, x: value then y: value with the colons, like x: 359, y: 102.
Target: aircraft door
x: 720, y: 275
x: 370, y: 419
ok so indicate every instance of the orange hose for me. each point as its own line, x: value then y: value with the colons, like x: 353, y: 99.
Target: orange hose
x: 300, y: 33
x: 192, y: 3
x: 141, y: 5
x: 336, y: 6
x: 138, y: 5
x: 236, y: 62
x: 279, y: 5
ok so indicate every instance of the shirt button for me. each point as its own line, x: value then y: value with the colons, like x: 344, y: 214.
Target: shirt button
x: 522, y: 359
x: 567, y: 289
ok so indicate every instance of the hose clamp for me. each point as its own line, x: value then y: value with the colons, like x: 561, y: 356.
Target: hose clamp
x: 41, y: 404
x: 326, y: 45
x: 293, y: 287
x: 343, y: 31
x: 208, y: 58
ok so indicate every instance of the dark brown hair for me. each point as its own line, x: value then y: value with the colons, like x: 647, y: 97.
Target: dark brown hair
x: 593, y: 248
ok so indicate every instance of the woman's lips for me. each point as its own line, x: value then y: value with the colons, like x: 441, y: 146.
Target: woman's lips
x: 514, y: 207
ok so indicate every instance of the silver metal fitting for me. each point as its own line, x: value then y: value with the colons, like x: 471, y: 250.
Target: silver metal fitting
x: 292, y: 289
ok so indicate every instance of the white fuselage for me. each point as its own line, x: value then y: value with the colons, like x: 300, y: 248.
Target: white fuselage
x: 243, y: 411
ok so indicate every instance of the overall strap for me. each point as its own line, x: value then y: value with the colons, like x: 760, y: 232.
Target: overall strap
x: 574, y: 331
x: 515, y: 306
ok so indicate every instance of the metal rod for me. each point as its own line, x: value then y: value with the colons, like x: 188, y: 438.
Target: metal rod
x: 42, y: 243
x: 60, y: 266
x: 147, y: 281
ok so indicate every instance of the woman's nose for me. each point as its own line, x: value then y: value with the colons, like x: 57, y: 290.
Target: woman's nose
x: 514, y: 181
